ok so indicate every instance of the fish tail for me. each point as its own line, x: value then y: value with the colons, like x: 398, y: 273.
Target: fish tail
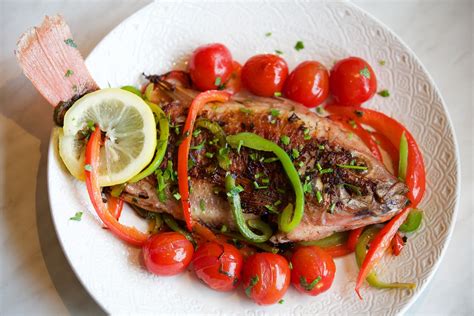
x: 50, y: 59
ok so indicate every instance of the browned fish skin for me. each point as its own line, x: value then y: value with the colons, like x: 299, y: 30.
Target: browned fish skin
x: 351, y: 198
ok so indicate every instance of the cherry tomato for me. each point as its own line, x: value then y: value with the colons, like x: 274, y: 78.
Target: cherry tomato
x: 266, y: 277
x: 308, y: 84
x: 218, y: 265
x: 234, y: 84
x: 210, y: 66
x: 167, y: 253
x: 313, y: 270
x: 264, y: 75
x: 352, y: 81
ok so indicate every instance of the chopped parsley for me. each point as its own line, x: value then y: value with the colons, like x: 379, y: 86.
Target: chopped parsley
x: 209, y: 154
x: 384, y: 93
x: 353, y: 167
x: 259, y: 175
x: 352, y: 123
x: 253, y: 281
x: 290, y: 265
x: 202, y: 205
x: 381, y: 62
x: 331, y: 208
x: 281, y: 301
x: 309, y: 286
x: 295, y: 153
x: 196, y: 132
x: 274, y: 112
x: 199, y: 147
x: 235, y: 190
x: 307, y: 186
x: 277, y: 94
x: 299, y: 45
x: 88, y: 167
x: 70, y: 42
x: 223, y: 229
x: 278, y: 52
x: 246, y: 111
x: 268, y: 34
x: 306, y: 134
x: 77, y: 217
x: 177, y: 196
x: 320, y: 110
x: 285, y: 140
x: 218, y: 82
x: 350, y: 135
x: 271, y: 208
x: 319, y: 196
x: 68, y: 73
x: 327, y: 170
x: 365, y: 72
x: 258, y: 186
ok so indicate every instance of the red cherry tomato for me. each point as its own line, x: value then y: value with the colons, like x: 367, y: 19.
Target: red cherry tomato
x: 210, y: 66
x: 266, y: 277
x: 352, y: 81
x: 264, y: 75
x: 308, y: 84
x: 218, y: 265
x: 234, y: 84
x: 313, y: 270
x: 167, y: 253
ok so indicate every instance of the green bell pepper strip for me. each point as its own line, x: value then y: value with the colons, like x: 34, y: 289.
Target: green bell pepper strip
x: 133, y: 90
x: 412, y: 222
x: 148, y: 91
x: 234, y: 200
x: 335, y: 239
x: 289, y: 218
x: 372, y: 278
x: 403, y: 159
x: 173, y: 225
x: 214, y: 128
x: 161, y: 145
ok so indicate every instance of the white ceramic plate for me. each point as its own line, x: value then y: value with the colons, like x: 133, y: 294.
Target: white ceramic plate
x: 160, y: 37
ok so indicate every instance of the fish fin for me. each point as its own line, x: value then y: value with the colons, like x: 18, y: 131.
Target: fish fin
x: 50, y: 59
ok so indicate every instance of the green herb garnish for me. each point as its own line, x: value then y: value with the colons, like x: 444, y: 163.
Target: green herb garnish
x: 88, y: 167
x: 253, y: 281
x: 384, y: 93
x: 365, y: 72
x: 295, y: 153
x: 285, y: 140
x: 309, y: 286
x: 77, y: 217
x: 272, y: 159
x: 353, y: 167
x: 68, y: 73
x: 299, y: 45
x: 278, y: 52
x: 268, y: 34
x: 202, y: 205
x: 70, y: 42
x: 319, y: 196
x: 177, y: 196
x: 274, y: 112
x: 218, y: 82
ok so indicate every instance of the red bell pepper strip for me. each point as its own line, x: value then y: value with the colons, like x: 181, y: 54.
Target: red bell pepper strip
x: 389, y: 148
x: 115, y: 206
x: 378, y: 246
x: 357, y: 129
x: 129, y: 234
x: 338, y: 251
x: 183, y: 151
x: 415, y: 177
x: 397, y: 244
x: 354, y: 238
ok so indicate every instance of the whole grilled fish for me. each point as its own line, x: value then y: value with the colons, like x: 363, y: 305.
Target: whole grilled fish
x: 339, y: 195
x: 345, y: 186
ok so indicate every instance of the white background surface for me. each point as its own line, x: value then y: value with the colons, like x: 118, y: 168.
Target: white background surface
x: 35, y: 276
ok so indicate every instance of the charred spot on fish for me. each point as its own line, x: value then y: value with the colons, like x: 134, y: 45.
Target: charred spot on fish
x: 293, y: 118
x: 63, y: 106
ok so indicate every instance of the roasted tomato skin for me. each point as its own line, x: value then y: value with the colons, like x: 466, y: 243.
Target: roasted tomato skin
x: 167, y: 253
x: 266, y: 278
x: 308, y: 84
x: 264, y: 75
x: 352, y: 81
x: 218, y: 265
x: 313, y: 270
x: 234, y: 84
x: 210, y: 66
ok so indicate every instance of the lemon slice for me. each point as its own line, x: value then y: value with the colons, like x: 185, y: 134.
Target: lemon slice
x: 130, y: 134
